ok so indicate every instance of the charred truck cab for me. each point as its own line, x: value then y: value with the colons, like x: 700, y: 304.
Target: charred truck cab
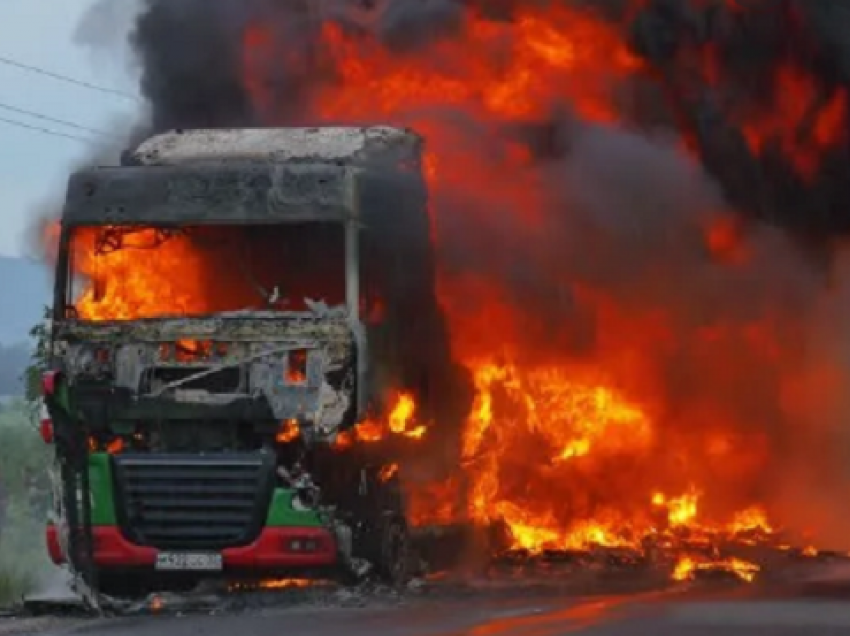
x: 173, y: 429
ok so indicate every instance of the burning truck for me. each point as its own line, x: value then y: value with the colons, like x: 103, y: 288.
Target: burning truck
x: 202, y: 440
x: 626, y: 205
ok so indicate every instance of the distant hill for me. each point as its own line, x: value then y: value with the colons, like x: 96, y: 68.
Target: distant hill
x: 25, y: 288
x: 13, y: 363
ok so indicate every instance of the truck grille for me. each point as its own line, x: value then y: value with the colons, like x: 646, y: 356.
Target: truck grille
x: 191, y: 502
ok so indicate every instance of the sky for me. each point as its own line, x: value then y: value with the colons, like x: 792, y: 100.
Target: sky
x: 63, y: 37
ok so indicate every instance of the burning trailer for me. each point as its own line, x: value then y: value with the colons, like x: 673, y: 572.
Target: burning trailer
x: 200, y: 431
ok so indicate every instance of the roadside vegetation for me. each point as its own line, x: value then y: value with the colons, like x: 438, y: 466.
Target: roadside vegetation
x: 23, y: 503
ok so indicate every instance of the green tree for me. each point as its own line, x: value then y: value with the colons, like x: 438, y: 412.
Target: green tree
x: 39, y: 359
x: 23, y: 455
x: 23, y: 559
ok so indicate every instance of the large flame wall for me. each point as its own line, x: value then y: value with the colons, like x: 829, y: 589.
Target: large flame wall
x: 630, y: 337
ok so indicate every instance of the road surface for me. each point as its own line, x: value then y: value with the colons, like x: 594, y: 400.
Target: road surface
x: 727, y: 611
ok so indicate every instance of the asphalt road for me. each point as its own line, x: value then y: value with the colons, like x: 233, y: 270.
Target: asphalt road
x: 727, y: 612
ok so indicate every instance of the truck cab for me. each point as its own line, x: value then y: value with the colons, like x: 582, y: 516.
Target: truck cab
x: 198, y: 409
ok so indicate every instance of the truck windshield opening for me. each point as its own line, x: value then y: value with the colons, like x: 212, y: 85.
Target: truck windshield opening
x: 128, y: 273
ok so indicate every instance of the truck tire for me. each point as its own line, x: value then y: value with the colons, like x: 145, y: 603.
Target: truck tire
x: 393, y: 559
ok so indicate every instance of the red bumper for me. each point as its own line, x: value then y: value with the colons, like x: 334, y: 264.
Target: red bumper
x: 273, y: 549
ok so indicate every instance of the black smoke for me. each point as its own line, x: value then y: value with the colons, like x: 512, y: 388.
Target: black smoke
x: 191, y: 55
x: 747, y: 43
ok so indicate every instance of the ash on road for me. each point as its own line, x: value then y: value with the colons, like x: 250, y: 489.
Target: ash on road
x: 642, y: 614
x: 807, y: 605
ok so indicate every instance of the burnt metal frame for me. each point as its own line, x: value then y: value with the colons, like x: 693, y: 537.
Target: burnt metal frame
x: 220, y: 195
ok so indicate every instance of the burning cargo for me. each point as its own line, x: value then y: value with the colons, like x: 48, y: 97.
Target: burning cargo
x: 198, y: 418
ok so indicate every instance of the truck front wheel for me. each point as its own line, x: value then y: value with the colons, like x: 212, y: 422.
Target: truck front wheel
x: 393, y: 560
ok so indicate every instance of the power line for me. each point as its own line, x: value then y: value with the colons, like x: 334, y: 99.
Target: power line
x: 47, y: 131
x: 69, y: 80
x: 61, y: 122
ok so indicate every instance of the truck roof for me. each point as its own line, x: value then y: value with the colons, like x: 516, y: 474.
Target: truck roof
x: 253, y: 175
x: 329, y: 144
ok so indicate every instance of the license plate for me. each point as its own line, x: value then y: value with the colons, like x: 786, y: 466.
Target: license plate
x: 189, y: 561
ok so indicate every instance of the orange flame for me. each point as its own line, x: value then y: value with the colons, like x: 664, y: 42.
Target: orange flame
x: 687, y: 568
x: 387, y: 472
x: 124, y: 284
x: 401, y: 417
x: 156, y: 604
x: 277, y: 584
x: 750, y: 519
x: 288, y: 431
x: 681, y: 511
x: 400, y: 421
